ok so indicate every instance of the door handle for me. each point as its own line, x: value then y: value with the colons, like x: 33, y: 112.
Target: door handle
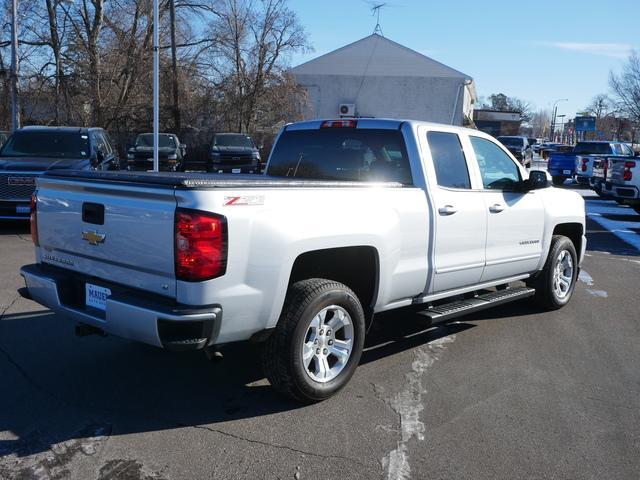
x: 496, y: 208
x: 447, y: 210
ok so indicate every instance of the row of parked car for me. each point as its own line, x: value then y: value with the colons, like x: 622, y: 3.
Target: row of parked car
x: 30, y: 151
x: 611, y: 169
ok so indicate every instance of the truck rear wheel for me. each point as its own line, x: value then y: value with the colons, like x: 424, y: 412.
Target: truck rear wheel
x: 318, y: 341
x: 557, y: 280
x: 557, y: 181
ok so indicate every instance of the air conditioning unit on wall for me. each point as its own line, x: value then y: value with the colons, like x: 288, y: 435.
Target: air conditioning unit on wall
x: 347, y: 110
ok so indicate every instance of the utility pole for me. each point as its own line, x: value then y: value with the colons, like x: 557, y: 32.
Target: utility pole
x: 15, y: 108
x: 174, y: 69
x: 156, y: 84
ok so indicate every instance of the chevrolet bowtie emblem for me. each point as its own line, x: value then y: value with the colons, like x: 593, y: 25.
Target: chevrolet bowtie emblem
x: 93, y: 237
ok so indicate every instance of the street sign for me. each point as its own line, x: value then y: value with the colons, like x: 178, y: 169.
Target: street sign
x: 585, y: 124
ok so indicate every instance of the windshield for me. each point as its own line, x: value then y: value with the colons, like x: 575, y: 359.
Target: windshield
x: 342, y: 154
x: 593, y: 148
x: 511, y: 141
x: 47, y: 144
x: 164, y: 141
x: 233, y: 141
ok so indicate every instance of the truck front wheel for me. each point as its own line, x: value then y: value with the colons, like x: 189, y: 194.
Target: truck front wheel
x: 557, y: 280
x: 318, y: 341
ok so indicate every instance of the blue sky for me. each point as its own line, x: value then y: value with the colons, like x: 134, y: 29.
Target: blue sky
x: 539, y: 51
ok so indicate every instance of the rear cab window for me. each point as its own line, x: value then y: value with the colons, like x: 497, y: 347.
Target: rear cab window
x: 586, y: 148
x: 350, y: 154
x: 448, y: 160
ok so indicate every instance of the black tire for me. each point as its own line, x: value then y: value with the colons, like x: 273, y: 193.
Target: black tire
x: 598, y: 189
x: 558, y: 181
x: 546, y: 295
x: 282, y: 351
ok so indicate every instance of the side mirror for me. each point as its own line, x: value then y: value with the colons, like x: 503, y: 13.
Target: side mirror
x: 537, y: 180
x: 261, y: 146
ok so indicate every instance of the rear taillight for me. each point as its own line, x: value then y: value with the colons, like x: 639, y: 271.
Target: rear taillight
x: 200, y: 245
x: 628, y: 174
x: 339, y: 124
x: 33, y: 220
x: 584, y: 165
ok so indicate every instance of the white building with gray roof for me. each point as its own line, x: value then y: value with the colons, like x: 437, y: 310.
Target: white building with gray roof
x: 377, y: 77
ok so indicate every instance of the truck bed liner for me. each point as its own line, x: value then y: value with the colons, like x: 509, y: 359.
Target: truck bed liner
x: 207, y: 181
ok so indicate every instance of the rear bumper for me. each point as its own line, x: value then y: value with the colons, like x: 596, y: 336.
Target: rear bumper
x: 129, y: 314
x: 582, y: 179
x: 627, y: 192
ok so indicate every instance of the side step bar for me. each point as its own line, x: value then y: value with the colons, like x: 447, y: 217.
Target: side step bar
x: 447, y: 311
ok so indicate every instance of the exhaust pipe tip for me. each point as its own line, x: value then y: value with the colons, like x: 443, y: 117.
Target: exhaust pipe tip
x: 213, y: 354
x: 84, y: 330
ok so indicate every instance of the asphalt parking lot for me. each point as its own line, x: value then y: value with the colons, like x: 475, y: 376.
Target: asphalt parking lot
x: 508, y: 393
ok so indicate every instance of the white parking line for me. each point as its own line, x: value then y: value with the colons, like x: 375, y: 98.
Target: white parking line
x: 408, y: 405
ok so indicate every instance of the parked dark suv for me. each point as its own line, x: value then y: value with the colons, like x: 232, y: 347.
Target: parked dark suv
x: 519, y: 147
x: 30, y: 151
x: 171, y: 153
x: 234, y: 153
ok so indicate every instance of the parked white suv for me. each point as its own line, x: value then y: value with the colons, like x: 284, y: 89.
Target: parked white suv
x: 353, y: 218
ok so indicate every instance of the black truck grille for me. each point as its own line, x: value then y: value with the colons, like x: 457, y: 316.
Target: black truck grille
x: 240, y: 159
x: 17, y: 186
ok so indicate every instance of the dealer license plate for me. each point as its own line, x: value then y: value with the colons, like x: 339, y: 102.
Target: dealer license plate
x: 567, y: 172
x: 96, y: 296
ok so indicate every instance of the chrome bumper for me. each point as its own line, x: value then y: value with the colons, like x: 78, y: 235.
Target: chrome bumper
x: 157, y: 323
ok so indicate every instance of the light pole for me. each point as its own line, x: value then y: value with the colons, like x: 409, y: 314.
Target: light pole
x: 156, y: 96
x: 15, y: 109
x: 554, y: 111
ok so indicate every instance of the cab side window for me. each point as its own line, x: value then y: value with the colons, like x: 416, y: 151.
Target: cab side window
x: 497, y: 170
x: 448, y: 160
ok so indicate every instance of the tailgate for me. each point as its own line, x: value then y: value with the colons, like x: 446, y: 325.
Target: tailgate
x: 123, y: 233
x: 563, y: 161
x: 615, y: 170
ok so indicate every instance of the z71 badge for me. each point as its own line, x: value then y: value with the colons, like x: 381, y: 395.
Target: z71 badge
x: 243, y: 200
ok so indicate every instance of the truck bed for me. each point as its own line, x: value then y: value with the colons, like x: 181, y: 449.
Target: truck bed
x: 194, y: 180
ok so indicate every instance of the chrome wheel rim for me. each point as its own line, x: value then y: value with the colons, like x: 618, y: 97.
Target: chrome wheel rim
x: 563, y: 274
x: 327, y: 344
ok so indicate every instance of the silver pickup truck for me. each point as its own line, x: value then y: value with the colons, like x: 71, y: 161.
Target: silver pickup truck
x: 353, y: 218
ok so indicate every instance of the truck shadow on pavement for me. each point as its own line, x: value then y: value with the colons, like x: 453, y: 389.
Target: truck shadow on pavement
x: 15, y: 227
x: 60, y: 391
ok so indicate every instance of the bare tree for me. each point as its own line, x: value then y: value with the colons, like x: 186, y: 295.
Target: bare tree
x: 601, y: 106
x: 626, y: 87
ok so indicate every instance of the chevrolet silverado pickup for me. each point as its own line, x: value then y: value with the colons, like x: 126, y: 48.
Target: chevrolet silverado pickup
x: 31, y: 151
x: 622, y: 180
x: 579, y: 162
x: 352, y: 218
x: 171, y: 153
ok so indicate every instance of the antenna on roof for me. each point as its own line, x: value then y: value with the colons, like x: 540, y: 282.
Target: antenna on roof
x: 375, y: 10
